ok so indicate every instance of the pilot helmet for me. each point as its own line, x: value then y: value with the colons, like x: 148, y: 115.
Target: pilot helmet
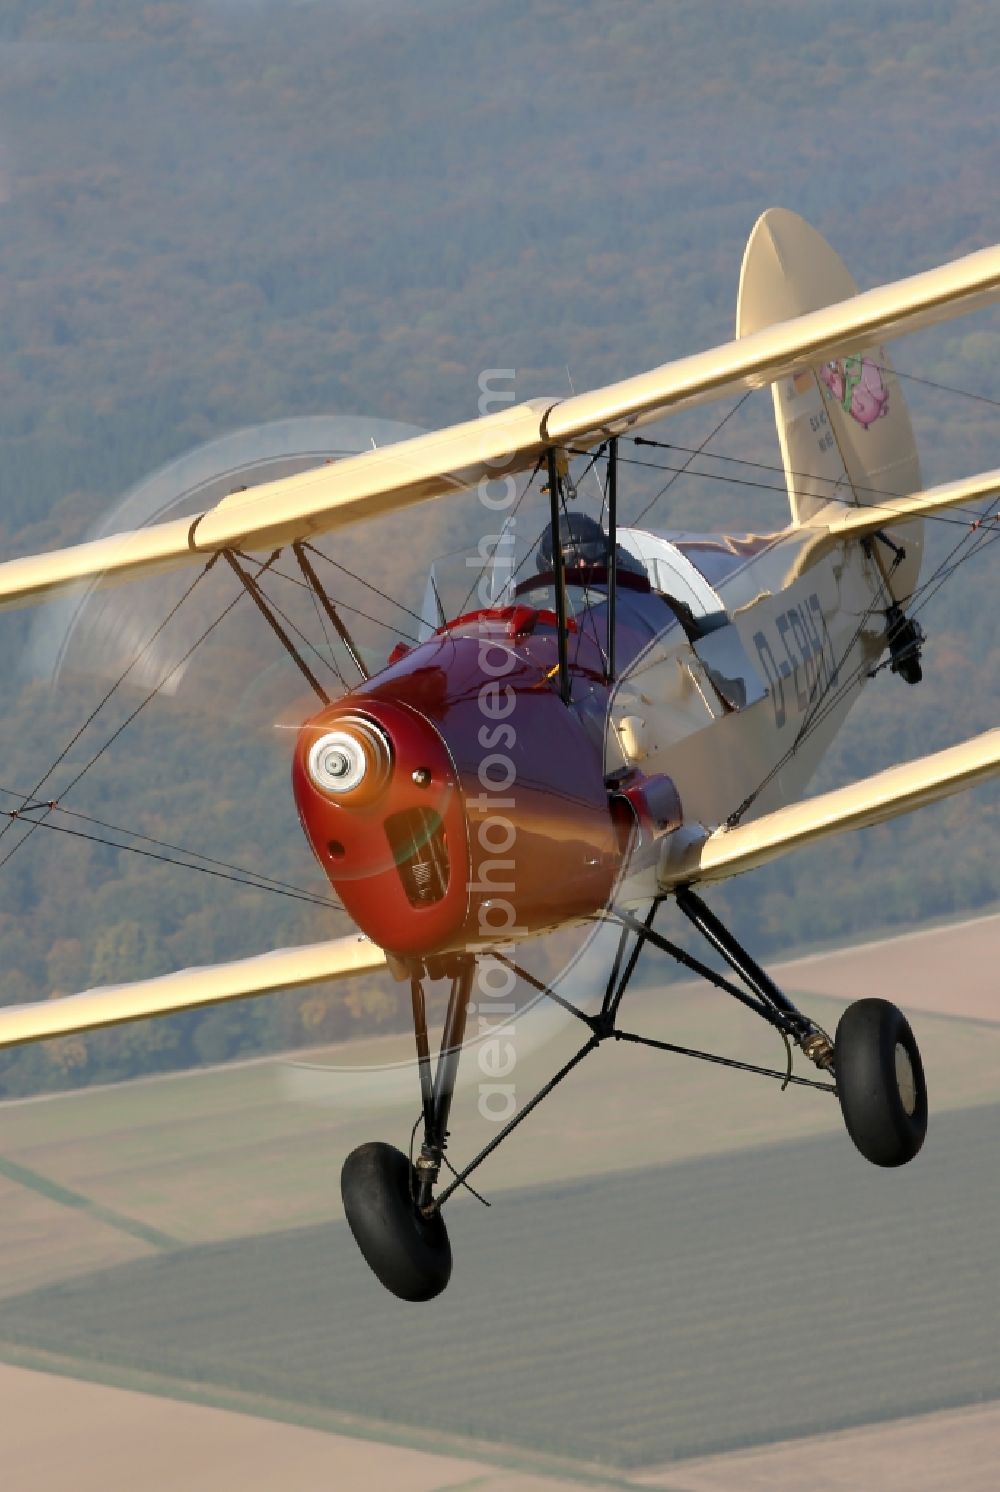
x: 583, y: 542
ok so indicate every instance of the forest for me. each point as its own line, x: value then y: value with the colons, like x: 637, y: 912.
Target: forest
x: 218, y: 214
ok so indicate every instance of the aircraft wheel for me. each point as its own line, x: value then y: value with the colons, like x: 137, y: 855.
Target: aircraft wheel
x: 410, y: 1254
x: 880, y: 1082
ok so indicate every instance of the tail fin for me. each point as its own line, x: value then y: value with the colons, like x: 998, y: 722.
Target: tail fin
x: 844, y: 429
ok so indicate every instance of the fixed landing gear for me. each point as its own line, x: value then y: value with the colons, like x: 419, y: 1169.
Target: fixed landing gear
x: 872, y: 1067
x: 389, y: 1202
x: 874, y: 1058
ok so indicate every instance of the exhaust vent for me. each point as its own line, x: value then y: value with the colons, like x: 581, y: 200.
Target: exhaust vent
x: 420, y: 850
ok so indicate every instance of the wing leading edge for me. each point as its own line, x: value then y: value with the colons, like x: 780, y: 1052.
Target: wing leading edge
x: 725, y: 853
x: 729, y: 852
x: 283, y: 968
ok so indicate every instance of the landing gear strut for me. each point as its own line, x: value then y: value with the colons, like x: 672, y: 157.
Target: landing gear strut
x: 391, y: 1205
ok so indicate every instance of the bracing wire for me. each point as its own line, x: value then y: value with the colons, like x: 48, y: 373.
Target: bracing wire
x: 223, y: 875
x: 835, y: 482
x: 982, y: 534
x: 138, y: 657
x: 685, y: 470
x: 512, y: 515
x: 679, y: 471
x: 984, y: 529
x: 37, y: 823
x: 253, y: 877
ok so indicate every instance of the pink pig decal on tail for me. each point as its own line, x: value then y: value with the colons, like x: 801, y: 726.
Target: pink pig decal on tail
x: 858, y: 387
x: 869, y: 397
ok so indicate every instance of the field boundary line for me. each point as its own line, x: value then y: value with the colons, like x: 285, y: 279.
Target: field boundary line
x: 331, y: 1421
x: 64, y: 1196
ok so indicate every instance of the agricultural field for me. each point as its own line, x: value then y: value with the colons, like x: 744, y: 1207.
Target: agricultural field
x: 746, y: 1277
x: 196, y: 1158
x: 629, y: 1319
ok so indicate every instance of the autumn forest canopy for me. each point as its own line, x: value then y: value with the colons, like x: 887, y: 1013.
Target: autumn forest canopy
x: 219, y: 213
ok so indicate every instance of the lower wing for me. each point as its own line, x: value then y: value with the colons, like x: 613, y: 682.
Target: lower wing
x: 728, y: 852
x: 284, y: 968
x: 716, y: 856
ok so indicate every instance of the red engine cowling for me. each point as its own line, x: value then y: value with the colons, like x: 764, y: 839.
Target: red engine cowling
x: 455, y: 801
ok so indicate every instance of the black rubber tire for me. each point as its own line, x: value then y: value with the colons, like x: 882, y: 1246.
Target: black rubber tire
x: 887, y: 1125
x: 408, y: 1253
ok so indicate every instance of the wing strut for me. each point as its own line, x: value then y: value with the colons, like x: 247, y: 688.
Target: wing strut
x: 612, y: 550
x: 258, y: 598
x: 316, y: 586
x: 559, y: 573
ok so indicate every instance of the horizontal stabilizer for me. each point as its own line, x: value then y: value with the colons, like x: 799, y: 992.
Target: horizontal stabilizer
x: 836, y: 522
x: 393, y: 477
x: 855, y: 522
x: 284, y: 968
x: 729, y: 852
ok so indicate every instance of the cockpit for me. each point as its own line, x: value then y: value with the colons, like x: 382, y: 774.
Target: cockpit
x: 656, y: 586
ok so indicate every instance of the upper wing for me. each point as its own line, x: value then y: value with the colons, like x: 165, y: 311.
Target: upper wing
x: 394, y: 477
x: 284, y: 968
x: 776, y: 351
x: 727, y: 852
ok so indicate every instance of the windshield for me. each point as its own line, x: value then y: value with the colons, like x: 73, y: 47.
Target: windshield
x: 514, y: 564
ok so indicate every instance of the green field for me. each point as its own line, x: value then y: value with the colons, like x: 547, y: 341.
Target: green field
x: 634, y: 1319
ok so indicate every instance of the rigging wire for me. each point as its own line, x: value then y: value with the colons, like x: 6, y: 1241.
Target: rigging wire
x: 343, y: 605
x: 946, y: 388
x: 835, y: 482
x: 760, y: 486
x: 138, y: 657
x: 984, y: 528
x: 680, y: 470
x: 292, y: 625
x: 928, y: 588
x: 223, y: 870
x: 393, y: 600
x: 328, y: 640
x: 44, y: 823
x: 509, y: 519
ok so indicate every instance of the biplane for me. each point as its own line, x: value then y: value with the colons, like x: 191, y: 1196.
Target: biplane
x: 647, y: 709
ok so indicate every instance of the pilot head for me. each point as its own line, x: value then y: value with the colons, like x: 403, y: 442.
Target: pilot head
x: 584, y: 543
